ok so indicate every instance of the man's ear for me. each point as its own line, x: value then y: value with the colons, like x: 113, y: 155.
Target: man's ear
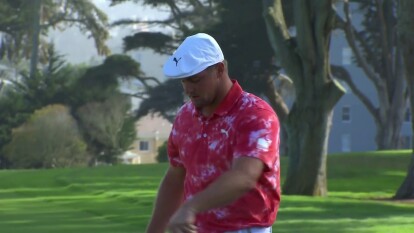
x: 220, y: 68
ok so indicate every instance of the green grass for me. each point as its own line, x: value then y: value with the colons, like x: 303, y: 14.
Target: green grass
x: 119, y: 198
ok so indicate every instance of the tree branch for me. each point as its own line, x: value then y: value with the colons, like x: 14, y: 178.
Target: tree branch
x: 177, y: 17
x: 57, y: 18
x: 139, y: 95
x: 323, y: 27
x: 384, y: 40
x: 304, y: 34
x: 196, y: 4
x: 397, y: 98
x: 10, y: 29
x: 282, y: 44
x: 340, y: 23
x: 276, y: 100
x: 177, y: 14
x: 56, y: 21
x: 341, y: 73
x: 122, y: 22
x: 374, y: 77
x: 351, y: 40
x: 146, y: 79
x: 332, y: 92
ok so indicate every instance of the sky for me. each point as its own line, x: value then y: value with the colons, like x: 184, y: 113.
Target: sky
x: 77, y: 48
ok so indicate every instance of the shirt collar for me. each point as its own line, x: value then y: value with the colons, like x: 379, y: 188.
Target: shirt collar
x: 230, y: 99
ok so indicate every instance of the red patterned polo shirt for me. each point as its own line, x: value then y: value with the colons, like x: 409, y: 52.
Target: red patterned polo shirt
x: 242, y: 125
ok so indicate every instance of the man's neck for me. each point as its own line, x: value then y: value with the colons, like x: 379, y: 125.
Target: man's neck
x: 209, y: 110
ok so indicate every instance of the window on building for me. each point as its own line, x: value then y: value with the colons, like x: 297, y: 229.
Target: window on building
x: 346, y: 56
x: 346, y: 114
x: 407, y: 116
x: 346, y: 143
x: 143, y: 145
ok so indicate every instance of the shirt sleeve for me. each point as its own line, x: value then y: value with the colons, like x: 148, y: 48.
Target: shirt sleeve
x: 258, y: 137
x: 172, y: 149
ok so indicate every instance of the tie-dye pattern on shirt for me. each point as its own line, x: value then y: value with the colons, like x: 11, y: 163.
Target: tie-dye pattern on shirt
x: 243, y: 125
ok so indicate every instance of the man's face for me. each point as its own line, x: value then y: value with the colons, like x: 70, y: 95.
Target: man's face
x: 202, y: 88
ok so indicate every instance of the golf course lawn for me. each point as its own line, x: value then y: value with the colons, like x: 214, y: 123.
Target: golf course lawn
x: 118, y: 199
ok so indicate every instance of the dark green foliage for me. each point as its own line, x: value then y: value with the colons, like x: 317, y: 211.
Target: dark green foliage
x: 113, y: 67
x: 157, y: 41
x: 240, y: 30
x: 164, y: 99
x: 184, y: 17
x: 127, y: 135
x: 101, y: 81
x: 72, y: 86
x: 16, y: 25
x: 107, y: 127
x: 242, y: 36
x: 99, y: 84
x: 162, y: 156
x: 13, y: 112
x: 20, y: 99
x: 121, y: 65
x: 12, y: 38
x: 153, y: 3
x: 52, y: 85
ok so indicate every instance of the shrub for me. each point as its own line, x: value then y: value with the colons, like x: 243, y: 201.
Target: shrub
x: 50, y: 138
x: 162, y: 156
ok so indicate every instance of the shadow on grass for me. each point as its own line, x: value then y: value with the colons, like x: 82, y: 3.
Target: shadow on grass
x: 342, y: 216
x: 76, y: 214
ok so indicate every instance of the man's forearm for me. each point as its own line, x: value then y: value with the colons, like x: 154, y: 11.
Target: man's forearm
x: 170, y: 196
x: 226, y: 189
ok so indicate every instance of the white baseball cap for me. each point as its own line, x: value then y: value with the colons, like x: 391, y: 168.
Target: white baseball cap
x: 194, y: 55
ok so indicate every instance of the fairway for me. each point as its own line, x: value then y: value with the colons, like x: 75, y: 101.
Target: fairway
x: 118, y: 199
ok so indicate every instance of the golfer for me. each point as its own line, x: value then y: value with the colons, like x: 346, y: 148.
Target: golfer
x: 224, y: 173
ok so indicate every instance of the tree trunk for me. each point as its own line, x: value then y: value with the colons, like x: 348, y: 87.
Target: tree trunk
x: 391, y: 115
x: 36, y: 33
x: 405, y: 36
x: 406, y: 190
x: 308, y: 130
x: 282, y: 111
x: 388, y: 117
x: 306, y: 61
x: 387, y: 80
x: 388, y: 132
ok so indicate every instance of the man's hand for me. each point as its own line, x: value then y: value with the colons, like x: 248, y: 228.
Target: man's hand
x: 183, y: 221
x: 226, y: 189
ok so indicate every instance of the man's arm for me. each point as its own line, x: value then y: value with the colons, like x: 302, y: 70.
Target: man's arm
x: 169, y: 198
x: 227, y: 188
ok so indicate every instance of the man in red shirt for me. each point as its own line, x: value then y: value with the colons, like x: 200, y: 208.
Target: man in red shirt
x: 224, y: 173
